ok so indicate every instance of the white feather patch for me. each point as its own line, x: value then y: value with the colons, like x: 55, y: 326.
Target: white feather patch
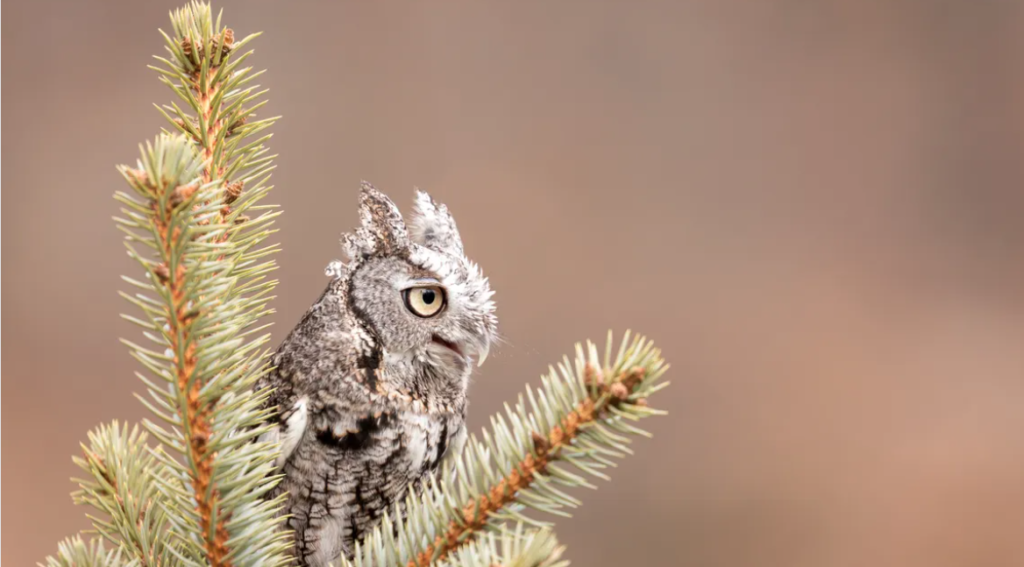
x: 416, y: 441
x: 272, y: 435
x: 295, y: 426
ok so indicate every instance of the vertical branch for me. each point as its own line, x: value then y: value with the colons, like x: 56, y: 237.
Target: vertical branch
x: 207, y: 89
x: 209, y: 279
x: 204, y: 70
x: 202, y: 298
x: 171, y: 194
x: 196, y: 420
x: 208, y: 294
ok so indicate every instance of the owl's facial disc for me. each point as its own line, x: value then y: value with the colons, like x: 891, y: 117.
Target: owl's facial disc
x: 424, y: 300
x: 428, y: 299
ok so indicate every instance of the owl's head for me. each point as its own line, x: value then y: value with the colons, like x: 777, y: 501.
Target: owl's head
x: 428, y: 307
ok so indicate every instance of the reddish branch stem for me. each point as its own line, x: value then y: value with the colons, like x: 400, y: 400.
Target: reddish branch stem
x: 196, y: 421
x: 197, y: 418
x: 476, y: 513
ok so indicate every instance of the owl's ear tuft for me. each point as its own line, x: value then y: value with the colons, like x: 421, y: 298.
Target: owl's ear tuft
x: 382, y: 223
x: 433, y: 227
x: 358, y: 244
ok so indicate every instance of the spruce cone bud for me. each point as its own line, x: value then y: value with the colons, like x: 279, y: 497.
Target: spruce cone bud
x: 619, y: 391
x: 233, y: 191
x: 162, y: 273
x: 228, y: 40
x: 138, y: 178
x: 181, y: 194
x: 540, y: 444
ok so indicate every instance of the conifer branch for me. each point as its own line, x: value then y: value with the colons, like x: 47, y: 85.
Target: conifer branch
x: 197, y: 499
x: 202, y: 314
x: 520, y: 547
x: 73, y: 552
x: 205, y: 291
x: 167, y: 176
x: 205, y: 70
x: 123, y: 487
x: 578, y: 416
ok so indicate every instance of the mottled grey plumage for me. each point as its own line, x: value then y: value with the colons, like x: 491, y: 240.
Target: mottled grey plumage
x: 371, y: 384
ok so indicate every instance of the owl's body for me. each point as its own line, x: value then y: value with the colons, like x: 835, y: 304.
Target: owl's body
x: 371, y: 385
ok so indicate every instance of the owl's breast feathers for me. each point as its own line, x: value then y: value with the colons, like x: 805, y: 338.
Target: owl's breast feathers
x: 352, y: 462
x: 350, y: 450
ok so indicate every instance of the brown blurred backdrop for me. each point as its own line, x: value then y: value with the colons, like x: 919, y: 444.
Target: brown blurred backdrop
x: 814, y: 207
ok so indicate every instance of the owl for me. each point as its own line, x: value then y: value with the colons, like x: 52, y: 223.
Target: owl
x: 371, y: 384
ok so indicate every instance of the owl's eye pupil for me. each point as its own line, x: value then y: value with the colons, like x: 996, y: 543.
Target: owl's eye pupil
x: 428, y: 296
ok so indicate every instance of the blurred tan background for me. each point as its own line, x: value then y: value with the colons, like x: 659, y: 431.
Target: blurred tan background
x: 816, y: 208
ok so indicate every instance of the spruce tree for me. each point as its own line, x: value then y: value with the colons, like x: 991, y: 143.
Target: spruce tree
x: 188, y: 487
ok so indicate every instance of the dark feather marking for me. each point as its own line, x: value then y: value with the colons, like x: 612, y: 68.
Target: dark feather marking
x: 358, y: 440
x: 370, y: 363
x: 442, y: 446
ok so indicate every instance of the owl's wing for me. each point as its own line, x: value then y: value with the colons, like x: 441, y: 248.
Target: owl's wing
x: 289, y: 430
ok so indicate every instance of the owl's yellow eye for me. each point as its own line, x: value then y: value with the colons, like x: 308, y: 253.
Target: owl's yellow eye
x: 424, y: 301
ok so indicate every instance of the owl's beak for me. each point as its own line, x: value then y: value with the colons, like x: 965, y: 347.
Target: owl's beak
x: 482, y: 353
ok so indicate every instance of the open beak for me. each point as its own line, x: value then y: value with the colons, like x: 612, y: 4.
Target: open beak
x: 482, y: 353
x: 481, y: 348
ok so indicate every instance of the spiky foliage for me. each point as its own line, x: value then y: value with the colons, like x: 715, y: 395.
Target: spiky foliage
x: 205, y: 69
x: 123, y: 487
x: 580, y: 416
x: 201, y: 300
x: 73, y: 552
x: 204, y: 291
x: 519, y: 547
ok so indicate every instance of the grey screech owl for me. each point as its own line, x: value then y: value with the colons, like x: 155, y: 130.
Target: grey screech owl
x: 371, y: 384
